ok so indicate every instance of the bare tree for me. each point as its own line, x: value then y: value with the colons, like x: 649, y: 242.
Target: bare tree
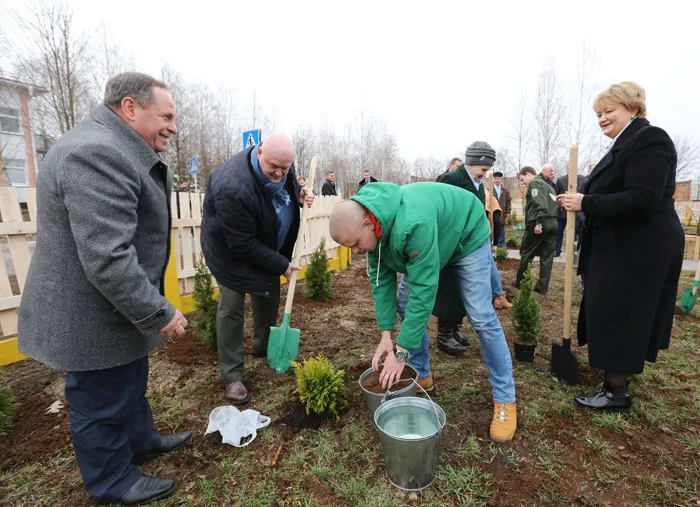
x: 505, y: 163
x: 688, y: 165
x: 520, y: 131
x: 56, y: 55
x: 548, y: 114
x: 581, y: 123
x: 304, y: 140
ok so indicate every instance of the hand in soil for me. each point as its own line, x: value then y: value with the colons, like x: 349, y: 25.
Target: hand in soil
x: 391, y: 371
x: 385, y: 348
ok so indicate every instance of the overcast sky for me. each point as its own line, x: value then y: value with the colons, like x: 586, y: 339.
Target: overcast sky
x: 440, y: 74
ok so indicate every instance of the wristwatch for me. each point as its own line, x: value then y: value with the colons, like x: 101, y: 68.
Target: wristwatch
x: 401, y: 356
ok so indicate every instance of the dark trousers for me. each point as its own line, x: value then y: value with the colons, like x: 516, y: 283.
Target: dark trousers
x: 541, y: 245
x: 110, y: 423
x: 229, y: 328
x: 560, y: 234
x: 497, y: 227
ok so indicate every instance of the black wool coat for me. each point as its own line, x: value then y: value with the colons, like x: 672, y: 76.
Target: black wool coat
x: 632, y: 251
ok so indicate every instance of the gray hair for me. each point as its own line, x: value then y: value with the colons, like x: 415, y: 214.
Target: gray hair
x: 136, y: 85
x: 547, y: 166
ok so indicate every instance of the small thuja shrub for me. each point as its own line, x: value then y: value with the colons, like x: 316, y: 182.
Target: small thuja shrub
x: 319, y: 284
x: 6, y: 403
x: 320, y: 385
x: 204, y: 324
x: 501, y: 254
x: 526, y: 311
x: 512, y: 219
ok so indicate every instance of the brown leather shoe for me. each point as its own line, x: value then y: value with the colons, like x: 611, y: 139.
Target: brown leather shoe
x: 236, y: 393
x: 501, y: 303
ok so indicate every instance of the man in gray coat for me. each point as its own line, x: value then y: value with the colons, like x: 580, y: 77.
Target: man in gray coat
x: 93, y: 304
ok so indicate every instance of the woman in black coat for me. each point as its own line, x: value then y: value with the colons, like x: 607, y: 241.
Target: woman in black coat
x: 632, y: 246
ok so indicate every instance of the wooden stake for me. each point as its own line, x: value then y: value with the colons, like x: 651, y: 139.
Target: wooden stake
x: 277, y: 455
x: 490, y: 203
x: 570, y: 229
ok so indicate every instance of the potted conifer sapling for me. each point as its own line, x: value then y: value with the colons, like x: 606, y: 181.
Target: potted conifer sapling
x: 526, y: 320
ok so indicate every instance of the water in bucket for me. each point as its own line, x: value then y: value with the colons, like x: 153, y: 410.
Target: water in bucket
x: 409, y: 422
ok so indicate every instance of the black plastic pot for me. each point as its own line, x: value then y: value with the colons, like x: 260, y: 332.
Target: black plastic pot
x: 525, y: 353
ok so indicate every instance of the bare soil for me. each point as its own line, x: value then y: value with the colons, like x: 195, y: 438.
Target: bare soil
x: 372, y: 384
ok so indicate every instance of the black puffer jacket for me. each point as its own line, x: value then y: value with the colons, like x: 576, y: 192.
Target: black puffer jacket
x: 239, y: 228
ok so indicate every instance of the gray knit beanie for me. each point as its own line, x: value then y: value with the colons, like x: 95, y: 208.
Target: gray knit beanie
x: 480, y: 153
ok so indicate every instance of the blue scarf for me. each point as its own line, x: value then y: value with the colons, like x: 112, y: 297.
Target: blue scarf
x: 280, y: 199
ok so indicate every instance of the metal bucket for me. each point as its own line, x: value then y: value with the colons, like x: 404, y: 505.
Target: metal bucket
x: 410, y: 432
x: 374, y: 400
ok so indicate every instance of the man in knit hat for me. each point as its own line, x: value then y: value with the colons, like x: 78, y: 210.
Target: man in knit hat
x: 478, y: 160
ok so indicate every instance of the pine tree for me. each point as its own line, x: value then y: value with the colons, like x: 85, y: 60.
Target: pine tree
x: 204, y: 323
x: 319, y: 284
x: 526, y: 311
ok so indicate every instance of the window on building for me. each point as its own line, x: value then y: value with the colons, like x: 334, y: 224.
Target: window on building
x: 16, y: 171
x: 10, y: 120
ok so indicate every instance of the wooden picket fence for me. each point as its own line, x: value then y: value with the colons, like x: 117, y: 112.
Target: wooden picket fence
x: 18, y: 234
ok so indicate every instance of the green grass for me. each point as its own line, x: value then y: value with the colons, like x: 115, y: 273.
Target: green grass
x: 561, y: 455
x: 465, y: 486
x: 617, y: 422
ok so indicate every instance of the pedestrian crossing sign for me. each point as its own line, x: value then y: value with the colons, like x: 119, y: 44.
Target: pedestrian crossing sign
x: 251, y: 138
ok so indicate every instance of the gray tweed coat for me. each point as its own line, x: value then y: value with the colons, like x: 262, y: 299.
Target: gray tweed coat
x: 94, y: 293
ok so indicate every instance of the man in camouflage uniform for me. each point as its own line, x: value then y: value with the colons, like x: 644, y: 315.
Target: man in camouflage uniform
x: 541, y: 226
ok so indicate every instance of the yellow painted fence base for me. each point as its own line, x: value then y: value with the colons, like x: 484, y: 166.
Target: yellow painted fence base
x: 8, y: 348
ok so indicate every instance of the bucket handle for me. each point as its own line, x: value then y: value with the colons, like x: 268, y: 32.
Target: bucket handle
x: 432, y: 403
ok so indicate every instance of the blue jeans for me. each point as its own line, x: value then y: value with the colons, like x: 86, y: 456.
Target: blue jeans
x: 502, y: 236
x: 496, y: 287
x: 418, y: 359
x: 476, y: 295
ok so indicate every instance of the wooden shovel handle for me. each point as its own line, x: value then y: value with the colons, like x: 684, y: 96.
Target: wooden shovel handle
x: 570, y: 229
x: 300, y: 235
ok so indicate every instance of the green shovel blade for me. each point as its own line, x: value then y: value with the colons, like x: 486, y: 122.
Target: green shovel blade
x: 688, y: 298
x: 283, y: 346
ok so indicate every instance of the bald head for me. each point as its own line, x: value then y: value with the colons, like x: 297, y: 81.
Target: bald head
x: 351, y: 226
x: 276, y: 156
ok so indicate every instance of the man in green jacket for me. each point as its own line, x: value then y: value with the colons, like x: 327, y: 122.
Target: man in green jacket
x: 541, y: 213
x: 420, y: 230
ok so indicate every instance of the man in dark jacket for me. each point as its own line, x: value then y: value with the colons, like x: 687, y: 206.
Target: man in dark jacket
x: 454, y: 164
x: 249, y: 226
x: 504, y: 201
x: 93, y: 304
x: 328, y: 187
x: 541, y: 213
x: 367, y: 178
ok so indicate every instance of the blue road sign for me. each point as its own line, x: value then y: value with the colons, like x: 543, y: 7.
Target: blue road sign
x: 251, y: 138
x: 194, y: 166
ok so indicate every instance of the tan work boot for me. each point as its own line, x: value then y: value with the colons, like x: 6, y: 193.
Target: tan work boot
x: 504, y: 422
x: 501, y: 303
x: 426, y: 383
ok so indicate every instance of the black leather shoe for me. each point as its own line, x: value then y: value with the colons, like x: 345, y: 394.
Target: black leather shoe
x: 146, y: 490
x: 460, y: 338
x: 168, y: 443
x: 448, y: 344
x: 609, y: 399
